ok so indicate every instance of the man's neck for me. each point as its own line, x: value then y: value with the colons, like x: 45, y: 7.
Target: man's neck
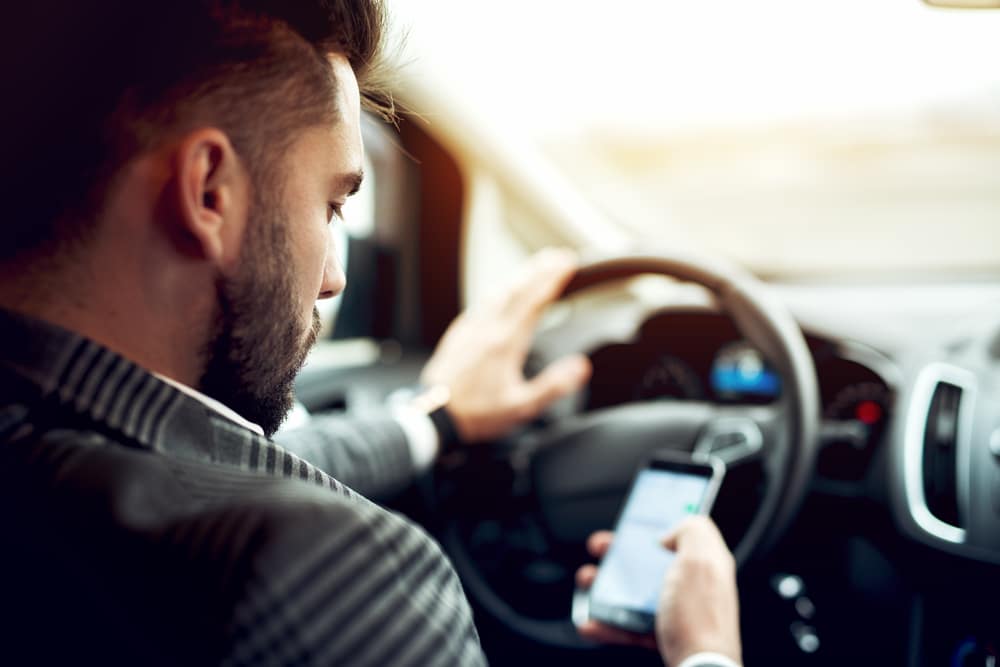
x: 112, y: 316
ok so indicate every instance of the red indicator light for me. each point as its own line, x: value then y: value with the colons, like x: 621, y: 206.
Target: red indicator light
x: 868, y: 412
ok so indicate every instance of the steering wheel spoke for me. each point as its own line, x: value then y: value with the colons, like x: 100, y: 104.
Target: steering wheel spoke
x: 734, y: 440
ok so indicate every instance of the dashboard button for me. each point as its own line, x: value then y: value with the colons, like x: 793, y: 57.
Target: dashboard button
x: 805, y: 607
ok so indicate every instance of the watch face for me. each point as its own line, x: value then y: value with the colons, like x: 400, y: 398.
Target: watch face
x: 448, y: 435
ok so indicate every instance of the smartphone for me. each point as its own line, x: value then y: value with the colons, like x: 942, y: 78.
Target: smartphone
x: 667, y: 488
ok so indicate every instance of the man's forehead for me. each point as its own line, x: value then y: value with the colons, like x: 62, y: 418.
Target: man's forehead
x: 349, y: 153
x: 348, y: 94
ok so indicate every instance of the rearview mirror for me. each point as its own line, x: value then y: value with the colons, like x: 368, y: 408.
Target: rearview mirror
x: 965, y: 4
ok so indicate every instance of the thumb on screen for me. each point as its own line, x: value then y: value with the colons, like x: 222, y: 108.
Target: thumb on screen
x: 688, y: 529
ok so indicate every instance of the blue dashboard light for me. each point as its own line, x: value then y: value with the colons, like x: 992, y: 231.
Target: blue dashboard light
x: 734, y: 381
x: 740, y: 371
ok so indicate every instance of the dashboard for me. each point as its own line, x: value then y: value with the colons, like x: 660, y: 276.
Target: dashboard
x: 700, y: 356
x: 907, y: 478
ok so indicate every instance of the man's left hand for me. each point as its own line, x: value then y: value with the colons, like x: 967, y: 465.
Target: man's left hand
x: 480, y: 358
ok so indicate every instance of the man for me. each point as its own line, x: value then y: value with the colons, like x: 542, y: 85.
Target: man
x: 170, y: 175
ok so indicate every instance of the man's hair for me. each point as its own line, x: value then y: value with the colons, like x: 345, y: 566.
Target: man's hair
x: 87, y: 86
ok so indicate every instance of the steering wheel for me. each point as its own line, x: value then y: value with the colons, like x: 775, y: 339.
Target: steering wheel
x: 582, y: 465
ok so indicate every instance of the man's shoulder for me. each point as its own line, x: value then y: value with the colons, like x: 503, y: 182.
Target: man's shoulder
x: 351, y: 584
x: 67, y: 462
x: 247, y: 565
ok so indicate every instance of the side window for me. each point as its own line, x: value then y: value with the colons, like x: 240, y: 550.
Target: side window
x: 377, y: 245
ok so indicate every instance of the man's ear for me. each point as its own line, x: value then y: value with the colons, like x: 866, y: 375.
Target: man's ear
x: 210, y: 196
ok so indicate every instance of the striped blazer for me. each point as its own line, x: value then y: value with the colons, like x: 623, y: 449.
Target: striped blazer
x: 141, y: 527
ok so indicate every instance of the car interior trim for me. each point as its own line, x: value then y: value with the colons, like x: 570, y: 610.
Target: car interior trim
x: 872, y: 359
x: 923, y: 392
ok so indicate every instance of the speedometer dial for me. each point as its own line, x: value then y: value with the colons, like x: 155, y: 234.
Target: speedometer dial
x: 853, y: 422
x: 864, y: 402
x: 669, y: 377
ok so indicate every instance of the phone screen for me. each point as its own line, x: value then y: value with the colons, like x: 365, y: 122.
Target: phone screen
x: 627, y: 586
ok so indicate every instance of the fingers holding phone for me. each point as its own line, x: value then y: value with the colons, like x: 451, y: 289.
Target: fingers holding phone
x: 667, y: 576
x: 592, y: 629
x: 698, y: 609
x: 668, y: 488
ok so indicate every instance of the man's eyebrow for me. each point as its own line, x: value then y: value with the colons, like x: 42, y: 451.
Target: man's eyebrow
x: 351, y: 182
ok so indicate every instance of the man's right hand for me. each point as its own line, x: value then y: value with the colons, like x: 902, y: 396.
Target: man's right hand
x: 698, y: 607
x: 480, y: 358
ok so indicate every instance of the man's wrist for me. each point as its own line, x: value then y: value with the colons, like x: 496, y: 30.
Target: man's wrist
x: 420, y: 435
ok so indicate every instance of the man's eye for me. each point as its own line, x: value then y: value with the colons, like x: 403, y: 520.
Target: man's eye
x: 333, y: 210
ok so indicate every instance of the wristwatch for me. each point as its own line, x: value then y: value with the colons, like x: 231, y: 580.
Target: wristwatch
x: 433, y: 401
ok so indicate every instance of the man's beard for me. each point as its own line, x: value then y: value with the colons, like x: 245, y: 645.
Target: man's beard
x: 258, y: 344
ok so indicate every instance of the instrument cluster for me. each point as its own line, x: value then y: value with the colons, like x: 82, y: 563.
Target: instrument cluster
x: 700, y: 356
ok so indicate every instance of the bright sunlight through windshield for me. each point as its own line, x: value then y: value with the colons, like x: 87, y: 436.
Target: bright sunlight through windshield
x: 797, y: 137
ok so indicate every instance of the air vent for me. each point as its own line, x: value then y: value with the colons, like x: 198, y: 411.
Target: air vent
x: 940, y: 451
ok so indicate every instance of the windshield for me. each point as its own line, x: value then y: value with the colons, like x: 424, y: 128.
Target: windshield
x: 799, y: 138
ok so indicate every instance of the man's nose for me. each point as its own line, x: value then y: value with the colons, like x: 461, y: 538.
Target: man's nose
x: 334, y: 280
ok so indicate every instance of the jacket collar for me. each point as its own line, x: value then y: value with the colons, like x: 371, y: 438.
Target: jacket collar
x: 219, y: 407
x: 75, y: 376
